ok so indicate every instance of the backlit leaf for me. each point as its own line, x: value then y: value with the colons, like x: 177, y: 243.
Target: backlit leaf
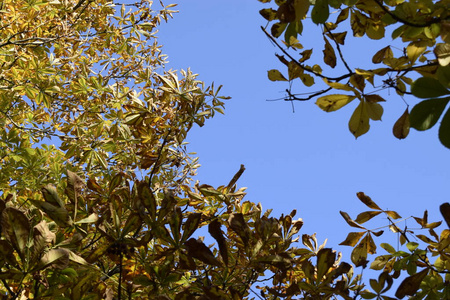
x: 386, y: 52
x: 352, y: 238
x: 349, y: 220
x: 366, y: 216
x: 359, y: 121
x: 275, y: 75
x: 334, y: 102
x: 367, y: 201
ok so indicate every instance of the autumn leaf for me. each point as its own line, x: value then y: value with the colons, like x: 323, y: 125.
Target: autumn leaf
x: 198, y: 250
x: 401, y: 126
x: 275, y: 75
x: 367, y: 201
x: 359, y: 121
x: 334, y: 102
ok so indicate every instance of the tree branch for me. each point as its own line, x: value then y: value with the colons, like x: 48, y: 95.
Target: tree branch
x: 406, y: 22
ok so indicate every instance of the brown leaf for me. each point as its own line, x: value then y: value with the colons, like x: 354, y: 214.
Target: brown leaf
x: 393, y: 214
x: 286, y: 12
x: 200, y: 251
x: 349, y: 220
x: 191, y: 225
x: 216, y: 233
x: 386, y: 52
x: 411, y: 284
x: 374, y: 98
x: 329, y: 56
x: 238, y: 224
x: 401, y: 127
x: 445, y: 211
x: 352, y: 238
x: 358, y: 82
x: 366, y: 216
x: 367, y: 201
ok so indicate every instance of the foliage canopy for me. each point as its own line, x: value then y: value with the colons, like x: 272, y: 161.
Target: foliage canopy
x: 416, y: 62
x: 96, y: 192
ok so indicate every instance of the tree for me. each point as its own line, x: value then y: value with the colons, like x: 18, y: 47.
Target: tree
x: 97, y: 198
x: 415, y: 63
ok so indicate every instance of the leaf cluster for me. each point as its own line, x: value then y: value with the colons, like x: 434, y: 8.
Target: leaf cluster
x: 415, y: 26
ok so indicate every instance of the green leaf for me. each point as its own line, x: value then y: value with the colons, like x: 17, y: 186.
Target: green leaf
x: 425, y: 114
x: 444, y: 130
x: 320, y: 12
x: 325, y: 260
x: 334, y: 102
x: 412, y: 246
x: 427, y: 87
x: 275, y: 75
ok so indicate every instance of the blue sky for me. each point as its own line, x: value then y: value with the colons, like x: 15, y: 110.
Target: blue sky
x: 307, y: 160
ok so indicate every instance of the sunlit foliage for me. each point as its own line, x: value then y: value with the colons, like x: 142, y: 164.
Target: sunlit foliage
x: 413, y: 58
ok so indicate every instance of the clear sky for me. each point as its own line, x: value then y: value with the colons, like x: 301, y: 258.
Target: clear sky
x: 307, y: 160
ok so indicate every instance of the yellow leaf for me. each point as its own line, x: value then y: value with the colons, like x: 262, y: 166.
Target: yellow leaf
x: 334, y: 102
x: 339, y: 86
x: 275, y: 75
x: 352, y: 238
x: 415, y: 49
x: 386, y: 52
x: 359, y: 121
